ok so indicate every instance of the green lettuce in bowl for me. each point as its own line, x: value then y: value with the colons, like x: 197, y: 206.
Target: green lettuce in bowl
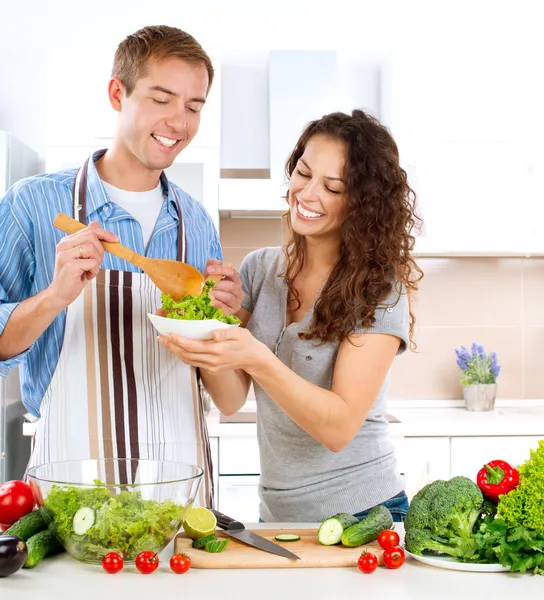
x: 196, y: 308
x: 140, y: 508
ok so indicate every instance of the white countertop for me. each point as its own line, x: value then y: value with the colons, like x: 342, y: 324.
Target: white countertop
x: 433, y: 418
x: 428, y: 418
x: 60, y: 578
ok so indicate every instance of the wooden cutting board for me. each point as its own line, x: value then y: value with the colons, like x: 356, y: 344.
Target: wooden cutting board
x: 241, y: 556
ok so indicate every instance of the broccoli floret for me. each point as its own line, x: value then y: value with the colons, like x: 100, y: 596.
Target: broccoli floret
x: 442, y: 516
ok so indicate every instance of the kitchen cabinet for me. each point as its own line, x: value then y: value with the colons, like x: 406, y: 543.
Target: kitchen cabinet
x: 239, y: 455
x: 470, y: 157
x: 424, y: 459
x: 252, y: 196
x: 468, y: 455
x: 239, y: 497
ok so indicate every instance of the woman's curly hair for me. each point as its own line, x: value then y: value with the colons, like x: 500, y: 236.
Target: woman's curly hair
x: 376, y: 233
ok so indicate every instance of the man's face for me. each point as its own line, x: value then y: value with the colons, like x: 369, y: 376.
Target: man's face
x: 162, y: 114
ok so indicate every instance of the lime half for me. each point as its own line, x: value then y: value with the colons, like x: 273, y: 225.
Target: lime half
x: 199, y: 522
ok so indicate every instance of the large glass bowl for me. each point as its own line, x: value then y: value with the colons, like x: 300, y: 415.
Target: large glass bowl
x: 129, y: 506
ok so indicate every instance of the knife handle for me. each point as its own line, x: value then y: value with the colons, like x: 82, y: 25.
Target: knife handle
x: 226, y: 522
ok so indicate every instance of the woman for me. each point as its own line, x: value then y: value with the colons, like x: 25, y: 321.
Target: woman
x: 323, y: 319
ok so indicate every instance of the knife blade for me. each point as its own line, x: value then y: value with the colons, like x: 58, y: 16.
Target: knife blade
x: 237, y: 530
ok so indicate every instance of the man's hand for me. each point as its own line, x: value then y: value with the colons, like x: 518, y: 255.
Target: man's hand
x: 227, y: 293
x: 78, y: 260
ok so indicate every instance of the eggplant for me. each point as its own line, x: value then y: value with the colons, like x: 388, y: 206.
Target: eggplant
x: 13, y: 553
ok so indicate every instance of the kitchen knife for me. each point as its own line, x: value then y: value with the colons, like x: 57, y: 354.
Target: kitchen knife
x: 238, y: 531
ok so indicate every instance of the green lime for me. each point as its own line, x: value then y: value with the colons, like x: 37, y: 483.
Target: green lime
x: 199, y: 522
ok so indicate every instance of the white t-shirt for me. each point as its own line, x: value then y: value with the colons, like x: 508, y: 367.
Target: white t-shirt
x: 143, y: 206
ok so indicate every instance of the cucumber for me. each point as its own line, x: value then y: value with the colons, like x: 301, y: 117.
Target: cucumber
x: 83, y: 520
x: 331, y: 530
x: 216, y: 546
x: 201, y: 542
x: 287, y: 537
x: 368, y: 529
x: 39, y: 546
x: 27, y: 526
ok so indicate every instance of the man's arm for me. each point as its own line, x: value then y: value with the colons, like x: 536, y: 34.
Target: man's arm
x: 78, y: 260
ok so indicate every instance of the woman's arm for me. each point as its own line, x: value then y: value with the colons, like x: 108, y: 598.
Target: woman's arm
x: 228, y: 389
x: 333, y: 417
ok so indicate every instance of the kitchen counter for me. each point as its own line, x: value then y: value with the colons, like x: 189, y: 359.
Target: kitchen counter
x: 442, y: 418
x: 60, y: 577
x: 428, y: 418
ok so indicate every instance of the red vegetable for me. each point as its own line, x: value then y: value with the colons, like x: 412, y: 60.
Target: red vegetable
x: 16, y: 501
x: 497, y: 477
x: 388, y: 539
x: 180, y: 563
x: 112, y: 562
x: 367, y: 562
x: 147, y: 562
x: 393, y: 558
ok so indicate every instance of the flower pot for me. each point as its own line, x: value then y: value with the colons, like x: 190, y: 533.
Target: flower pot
x: 480, y: 396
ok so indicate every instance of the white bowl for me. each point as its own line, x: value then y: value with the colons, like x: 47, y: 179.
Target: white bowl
x: 193, y: 330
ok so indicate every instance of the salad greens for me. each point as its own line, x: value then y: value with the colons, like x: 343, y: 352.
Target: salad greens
x: 196, y: 308
x: 125, y: 522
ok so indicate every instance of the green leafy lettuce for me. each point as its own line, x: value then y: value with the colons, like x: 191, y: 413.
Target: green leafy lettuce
x: 196, y: 308
x: 124, y: 522
x: 516, y: 537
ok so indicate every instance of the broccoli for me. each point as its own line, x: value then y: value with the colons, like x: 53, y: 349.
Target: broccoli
x: 442, y: 516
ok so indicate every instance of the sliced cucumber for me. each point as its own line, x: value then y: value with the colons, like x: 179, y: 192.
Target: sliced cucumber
x: 216, y: 546
x: 201, y: 542
x: 83, y: 520
x: 331, y: 530
x: 287, y: 537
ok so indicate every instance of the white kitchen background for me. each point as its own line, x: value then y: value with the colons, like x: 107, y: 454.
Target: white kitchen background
x: 461, y: 86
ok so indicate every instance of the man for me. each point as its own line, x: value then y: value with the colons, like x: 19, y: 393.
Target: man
x: 75, y: 318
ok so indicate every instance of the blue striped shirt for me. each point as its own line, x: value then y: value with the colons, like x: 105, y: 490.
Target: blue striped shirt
x: 28, y: 241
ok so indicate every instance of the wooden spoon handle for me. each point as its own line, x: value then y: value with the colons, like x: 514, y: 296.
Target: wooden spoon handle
x: 69, y: 225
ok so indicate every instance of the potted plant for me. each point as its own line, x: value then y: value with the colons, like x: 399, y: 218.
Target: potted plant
x: 479, y: 377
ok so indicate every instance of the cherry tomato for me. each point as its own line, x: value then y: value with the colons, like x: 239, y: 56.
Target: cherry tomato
x: 388, y: 539
x: 180, y: 563
x: 147, y: 562
x: 367, y: 562
x: 393, y: 558
x: 112, y: 562
x: 16, y: 501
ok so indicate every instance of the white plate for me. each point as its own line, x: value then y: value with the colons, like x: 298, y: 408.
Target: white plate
x: 448, y: 562
x: 194, y: 330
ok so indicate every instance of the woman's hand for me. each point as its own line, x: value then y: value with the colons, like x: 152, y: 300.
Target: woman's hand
x: 231, y: 348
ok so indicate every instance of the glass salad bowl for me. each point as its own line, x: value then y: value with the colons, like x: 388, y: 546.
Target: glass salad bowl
x: 114, y: 505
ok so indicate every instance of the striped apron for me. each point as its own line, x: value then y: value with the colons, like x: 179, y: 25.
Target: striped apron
x: 116, y: 392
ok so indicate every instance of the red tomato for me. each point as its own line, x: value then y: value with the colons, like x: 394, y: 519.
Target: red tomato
x: 147, y: 562
x: 388, y: 539
x: 180, y: 563
x: 112, y: 562
x: 16, y: 501
x: 367, y: 562
x: 393, y: 558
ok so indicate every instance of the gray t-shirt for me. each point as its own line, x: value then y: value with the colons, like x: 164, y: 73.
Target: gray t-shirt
x: 302, y: 480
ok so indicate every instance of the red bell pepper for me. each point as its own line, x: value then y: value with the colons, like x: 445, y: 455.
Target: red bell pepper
x: 496, y: 478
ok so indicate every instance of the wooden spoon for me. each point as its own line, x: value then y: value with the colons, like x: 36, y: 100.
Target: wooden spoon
x: 171, y: 276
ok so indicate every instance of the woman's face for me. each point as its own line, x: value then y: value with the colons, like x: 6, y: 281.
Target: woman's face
x: 317, y: 190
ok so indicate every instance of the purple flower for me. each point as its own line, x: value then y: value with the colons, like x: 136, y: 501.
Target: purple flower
x: 463, y: 357
x: 495, y: 368
x: 477, y: 366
